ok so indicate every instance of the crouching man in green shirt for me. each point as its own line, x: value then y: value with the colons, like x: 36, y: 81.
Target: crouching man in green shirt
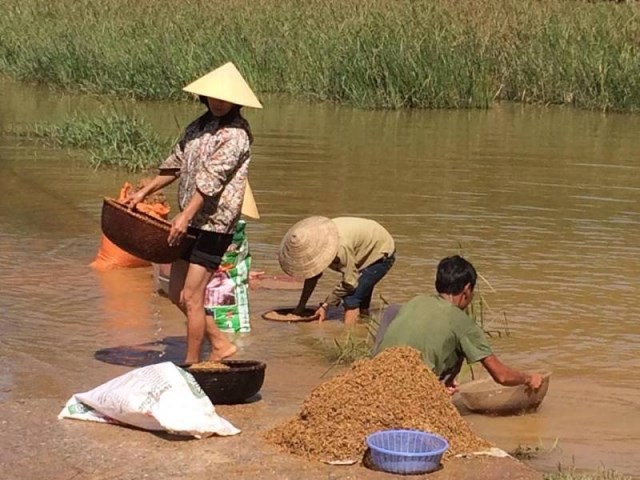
x: 437, y: 326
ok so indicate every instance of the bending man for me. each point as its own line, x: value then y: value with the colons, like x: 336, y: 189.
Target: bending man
x: 360, y: 249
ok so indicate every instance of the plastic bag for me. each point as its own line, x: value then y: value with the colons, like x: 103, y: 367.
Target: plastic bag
x: 227, y: 294
x: 110, y: 255
x: 158, y: 397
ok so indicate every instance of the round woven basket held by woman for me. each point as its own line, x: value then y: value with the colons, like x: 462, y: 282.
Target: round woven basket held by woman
x: 211, y: 161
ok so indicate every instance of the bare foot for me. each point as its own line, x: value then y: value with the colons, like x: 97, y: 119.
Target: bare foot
x: 221, y: 354
x: 253, y: 275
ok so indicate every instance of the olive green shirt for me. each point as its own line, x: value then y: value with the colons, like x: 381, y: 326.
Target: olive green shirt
x: 361, y: 243
x: 444, y: 334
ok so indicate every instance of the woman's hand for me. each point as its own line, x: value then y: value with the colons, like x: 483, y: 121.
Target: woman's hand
x: 135, y: 198
x: 178, y: 229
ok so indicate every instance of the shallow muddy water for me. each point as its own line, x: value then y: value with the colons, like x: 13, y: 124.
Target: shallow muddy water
x: 544, y: 202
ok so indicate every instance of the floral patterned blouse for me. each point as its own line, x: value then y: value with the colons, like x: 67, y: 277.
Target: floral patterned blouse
x: 213, y: 159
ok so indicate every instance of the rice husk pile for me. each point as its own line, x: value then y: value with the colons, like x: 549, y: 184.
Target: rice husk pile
x: 392, y: 390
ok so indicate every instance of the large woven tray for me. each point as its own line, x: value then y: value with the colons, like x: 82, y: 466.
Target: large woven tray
x: 487, y: 397
x: 140, y: 234
x: 287, y: 315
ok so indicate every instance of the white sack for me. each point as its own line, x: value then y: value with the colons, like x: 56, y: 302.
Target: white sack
x: 157, y: 397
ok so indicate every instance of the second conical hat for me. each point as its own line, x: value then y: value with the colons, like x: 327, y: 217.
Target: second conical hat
x: 309, y: 247
x: 225, y: 83
x: 249, y: 207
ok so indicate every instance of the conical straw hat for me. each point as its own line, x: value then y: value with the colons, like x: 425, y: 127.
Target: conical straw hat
x: 309, y: 247
x: 225, y: 83
x: 249, y: 207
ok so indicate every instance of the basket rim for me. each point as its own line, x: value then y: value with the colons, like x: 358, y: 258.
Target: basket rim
x: 470, y: 388
x: 266, y: 316
x: 137, y: 213
x: 236, y: 366
x: 432, y: 453
x: 145, y: 217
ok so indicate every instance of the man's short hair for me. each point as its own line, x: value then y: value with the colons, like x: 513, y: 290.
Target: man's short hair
x: 453, y: 274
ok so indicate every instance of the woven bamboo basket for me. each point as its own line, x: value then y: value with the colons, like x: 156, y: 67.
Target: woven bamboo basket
x: 140, y: 234
x: 287, y: 315
x: 237, y: 384
x: 487, y: 397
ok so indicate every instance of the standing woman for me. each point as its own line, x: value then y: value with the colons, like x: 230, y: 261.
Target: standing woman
x: 211, y: 160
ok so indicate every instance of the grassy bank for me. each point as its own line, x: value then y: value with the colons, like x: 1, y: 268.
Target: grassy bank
x: 112, y: 139
x: 572, y: 474
x: 369, y: 53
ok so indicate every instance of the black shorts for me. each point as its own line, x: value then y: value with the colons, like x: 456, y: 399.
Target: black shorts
x: 208, y: 249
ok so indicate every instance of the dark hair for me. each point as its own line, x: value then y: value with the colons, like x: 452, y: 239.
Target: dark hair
x: 228, y: 118
x: 453, y: 274
x: 232, y: 116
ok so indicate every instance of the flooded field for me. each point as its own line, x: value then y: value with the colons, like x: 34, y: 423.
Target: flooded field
x: 544, y: 202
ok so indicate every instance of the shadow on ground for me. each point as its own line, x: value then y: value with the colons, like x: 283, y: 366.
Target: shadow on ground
x: 169, y: 349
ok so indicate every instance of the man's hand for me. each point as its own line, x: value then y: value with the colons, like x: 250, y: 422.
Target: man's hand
x: 321, y: 313
x: 534, y: 381
x: 452, y: 387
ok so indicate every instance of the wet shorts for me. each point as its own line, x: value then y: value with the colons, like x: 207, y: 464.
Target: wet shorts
x: 208, y: 249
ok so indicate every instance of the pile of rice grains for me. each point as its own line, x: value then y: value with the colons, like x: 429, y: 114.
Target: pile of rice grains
x: 393, y: 390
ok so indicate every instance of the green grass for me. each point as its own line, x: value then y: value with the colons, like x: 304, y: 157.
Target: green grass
x: 573, y: 474
x: 355, y: 344
x: 112, y: 139
x: 527, y: 452
x: 369, y: 53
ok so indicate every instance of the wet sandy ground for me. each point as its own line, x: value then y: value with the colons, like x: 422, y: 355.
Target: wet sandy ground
x: 38, y: 445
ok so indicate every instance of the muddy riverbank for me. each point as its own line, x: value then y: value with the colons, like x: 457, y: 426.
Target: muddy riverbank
x: 40, y: 446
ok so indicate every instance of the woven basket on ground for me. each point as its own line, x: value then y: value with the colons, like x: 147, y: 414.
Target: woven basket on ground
x: 237, y: 384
